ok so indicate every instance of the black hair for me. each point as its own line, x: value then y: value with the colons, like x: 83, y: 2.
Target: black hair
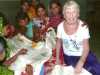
x: 40, y: 5
x: 3, y: 42
x: 24, y: 1
x: 57, y: 3
x: 28, y: 1
x: 5, y: 21
x: 22, y: 16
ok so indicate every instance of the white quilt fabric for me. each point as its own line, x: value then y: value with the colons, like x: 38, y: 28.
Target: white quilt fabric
x: 67, y: 70
x: 35, y: 56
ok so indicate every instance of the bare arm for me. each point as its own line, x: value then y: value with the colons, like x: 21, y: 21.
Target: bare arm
x: 85, y: 51
x: 12, y: 59
x: 83, y: 58
x: 58, y: 46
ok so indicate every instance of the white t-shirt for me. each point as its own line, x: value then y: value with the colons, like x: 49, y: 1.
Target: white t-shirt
x: 72, y: 44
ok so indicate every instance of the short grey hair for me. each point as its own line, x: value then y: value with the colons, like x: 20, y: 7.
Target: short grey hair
x: 71, y: 3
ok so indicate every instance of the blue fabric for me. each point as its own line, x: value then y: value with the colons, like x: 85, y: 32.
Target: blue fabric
x: 91, y: 64
x: 29, y: 32
x: 42, y: 71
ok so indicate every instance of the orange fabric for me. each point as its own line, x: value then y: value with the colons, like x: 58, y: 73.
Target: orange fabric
x: 32, y: 12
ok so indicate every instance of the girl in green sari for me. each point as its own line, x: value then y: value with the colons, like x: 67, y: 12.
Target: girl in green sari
x: 4, y: 53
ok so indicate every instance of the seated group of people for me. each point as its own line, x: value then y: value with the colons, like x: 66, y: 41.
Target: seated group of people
x: 34, y: 27
x: 72, y: 36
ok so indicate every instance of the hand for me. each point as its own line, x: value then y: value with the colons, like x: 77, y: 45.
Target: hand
x: 78, y: 68
x: 64, y: 64
x: 43, y: 27
x: 22, y: 51
x: 29, y: 69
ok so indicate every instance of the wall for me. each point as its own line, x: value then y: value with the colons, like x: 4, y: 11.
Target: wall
x: 9, y: 8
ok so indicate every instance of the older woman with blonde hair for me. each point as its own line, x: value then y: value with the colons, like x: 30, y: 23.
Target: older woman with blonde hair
x: 73, y: 35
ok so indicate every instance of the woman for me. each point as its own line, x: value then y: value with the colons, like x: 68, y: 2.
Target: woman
x: 25, y: 25
x: 42, y: 14
x: 4, y: 55
x: 6, y: 28
x: 29, y: 8
x: 74, y: 36
x: 55, y: 14
x: 42, y: 19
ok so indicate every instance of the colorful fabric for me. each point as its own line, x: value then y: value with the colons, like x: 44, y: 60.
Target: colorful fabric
x: 55, y: 20
x: 35, y: 56
x: 49, y: 65
x: 29, y: 31
x: 31, y: 12
x: 51, y: 42
x: 42, y: 71
x: 5, y: 71
x: 91, y: 64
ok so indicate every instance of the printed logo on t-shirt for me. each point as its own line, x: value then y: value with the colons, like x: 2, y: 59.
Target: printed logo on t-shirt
x: 71, y: 45
x: 66, y: 43
x: 75, y: 44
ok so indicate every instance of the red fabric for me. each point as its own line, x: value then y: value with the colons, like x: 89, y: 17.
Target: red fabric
x: 55, y: 20
x: 61, y: 56
x: 48, y: 66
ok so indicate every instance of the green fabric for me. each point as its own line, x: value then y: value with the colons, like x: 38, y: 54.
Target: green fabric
x: 9, y: 49
x: 29, y: 32
x: 5, y: 71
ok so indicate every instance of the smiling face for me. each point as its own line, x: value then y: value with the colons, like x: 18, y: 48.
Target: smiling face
x: 71, y: 14
x: 71, y: 11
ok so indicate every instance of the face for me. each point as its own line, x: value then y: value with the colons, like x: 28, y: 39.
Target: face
x: 2, y: 56
x: 9, y: 30
x: 71, y: 15
x: 2, y: 53
x: 23, y: 22
x: 25, y: 6
x: 41, y: 12
x: 55, y: 9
